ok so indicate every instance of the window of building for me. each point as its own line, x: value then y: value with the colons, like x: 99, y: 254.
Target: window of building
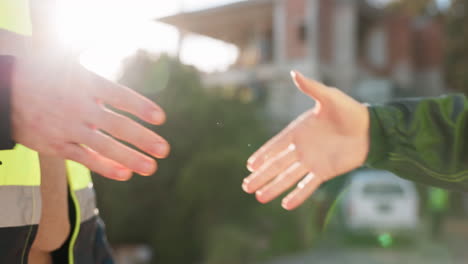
x: 377, y: 48
x: 302, y: 32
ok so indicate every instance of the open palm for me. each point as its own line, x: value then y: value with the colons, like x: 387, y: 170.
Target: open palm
x: 324, y: 142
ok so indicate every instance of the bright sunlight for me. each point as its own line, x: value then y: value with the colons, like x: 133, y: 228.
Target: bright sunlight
x: 108, y: 31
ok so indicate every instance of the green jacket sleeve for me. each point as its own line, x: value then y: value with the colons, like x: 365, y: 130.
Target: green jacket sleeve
x: 423, y: 140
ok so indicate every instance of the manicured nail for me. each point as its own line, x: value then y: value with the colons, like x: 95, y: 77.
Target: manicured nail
x: 245, y: 187
x: 254, y: 164
x: 293, y: 74
x: 260, y: 198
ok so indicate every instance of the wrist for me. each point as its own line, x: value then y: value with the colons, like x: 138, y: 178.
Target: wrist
x: 363, y: 140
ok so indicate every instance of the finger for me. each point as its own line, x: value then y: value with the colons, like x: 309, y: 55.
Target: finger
x: 130, y: 131
x: 270, y: 170
x: 96, y: 162
x: 118, y: 152
x: 127, y: 100
x: 274, y: 146
x: 304, y: 189
x: 282, y: 183
x: 313, y: 89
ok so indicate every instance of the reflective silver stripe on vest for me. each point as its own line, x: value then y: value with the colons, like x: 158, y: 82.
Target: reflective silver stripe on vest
x: 87, y: 201
x: 20, y: 206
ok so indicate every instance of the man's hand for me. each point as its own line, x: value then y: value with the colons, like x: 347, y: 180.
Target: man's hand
x: 59, y: 108
x: 326, y: 141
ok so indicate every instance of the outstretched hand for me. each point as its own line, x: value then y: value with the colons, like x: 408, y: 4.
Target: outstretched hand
x: 321, y: 144
x: 59, y: 108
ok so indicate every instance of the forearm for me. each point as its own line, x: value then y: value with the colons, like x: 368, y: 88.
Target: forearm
x: 424, y: 140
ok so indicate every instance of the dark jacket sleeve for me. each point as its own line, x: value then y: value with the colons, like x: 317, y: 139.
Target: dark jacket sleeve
x: 424, y: 140
x: 6, y: 66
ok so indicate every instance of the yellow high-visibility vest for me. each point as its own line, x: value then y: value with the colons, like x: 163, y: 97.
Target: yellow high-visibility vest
x: 20, y: 166
x: 20, y: 174
x: 14, y: 16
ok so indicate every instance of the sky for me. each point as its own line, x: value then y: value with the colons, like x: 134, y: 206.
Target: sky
x: 107, y: 31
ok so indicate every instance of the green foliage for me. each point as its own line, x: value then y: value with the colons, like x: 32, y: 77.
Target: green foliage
x: 193, y: 210
x: 456, y: 46
x: 229, y: 245
x: 415, y: 7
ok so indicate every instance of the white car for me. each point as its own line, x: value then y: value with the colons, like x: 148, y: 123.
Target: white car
x: 379, y: 201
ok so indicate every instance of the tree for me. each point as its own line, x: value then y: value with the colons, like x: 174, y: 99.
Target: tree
x: 194, y: 206
x: 456, y: 46
x: 415, y: 7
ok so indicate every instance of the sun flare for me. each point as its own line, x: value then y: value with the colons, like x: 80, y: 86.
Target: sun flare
x: 106, y: 31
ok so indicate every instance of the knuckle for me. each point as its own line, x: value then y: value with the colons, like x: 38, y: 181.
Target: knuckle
x: 90, y: 109
x: 58, y: 147
x: 101, y: 142
x: 121, y: 95
x: 72, y: 153
x: 93, y: 113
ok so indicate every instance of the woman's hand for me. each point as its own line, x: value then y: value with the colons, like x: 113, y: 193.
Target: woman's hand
x: 323, y: 143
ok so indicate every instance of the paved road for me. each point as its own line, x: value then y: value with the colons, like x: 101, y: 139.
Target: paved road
x: 430, y: 255
x: 452, y: 249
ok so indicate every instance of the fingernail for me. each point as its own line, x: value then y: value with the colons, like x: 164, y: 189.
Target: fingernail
x: 293, y: 74
x: 245, y: 187
x: 259, y: 195
x: 253, y: 164
x: 161, y: 149
x: 123, y: 174
x: 147, y: 167
x: 246, y: 181
x: 249, y: 167
x: 157, y: 117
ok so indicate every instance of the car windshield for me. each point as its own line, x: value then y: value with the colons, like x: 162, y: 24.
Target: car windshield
x: 376, y: 189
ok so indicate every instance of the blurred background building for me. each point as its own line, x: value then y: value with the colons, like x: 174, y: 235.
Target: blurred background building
x: 369, y: 52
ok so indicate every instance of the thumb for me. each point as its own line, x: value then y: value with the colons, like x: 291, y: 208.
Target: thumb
x: 313, y: 89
